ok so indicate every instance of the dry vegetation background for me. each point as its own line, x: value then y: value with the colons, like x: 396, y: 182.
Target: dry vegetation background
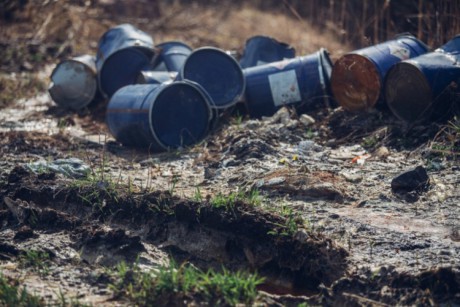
x: 34, y: 34
x: 44, y: 30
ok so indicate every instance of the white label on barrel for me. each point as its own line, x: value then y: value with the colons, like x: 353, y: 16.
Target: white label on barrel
x: 284, y: 87
x: 399, y: 52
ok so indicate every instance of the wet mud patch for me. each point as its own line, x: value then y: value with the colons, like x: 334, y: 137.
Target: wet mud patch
x: 385, y: 286
x: 110, y: 228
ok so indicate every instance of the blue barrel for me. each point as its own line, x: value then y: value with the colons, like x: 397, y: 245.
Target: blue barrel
x: 302, y: 82
x: 425, y: 87
x: 357, y: 77
x: 123, y: 51
x: 159, y: 116
x: 171, y: 56
x: 74, y: 82
x: 217, y: 72
x: 261, y: 50
x: 155, y: 77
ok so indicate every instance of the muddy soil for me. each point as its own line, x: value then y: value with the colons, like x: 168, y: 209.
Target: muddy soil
x: 327, y: 228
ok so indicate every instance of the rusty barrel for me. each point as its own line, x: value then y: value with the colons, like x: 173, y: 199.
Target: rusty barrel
x: 424, y: 88
x: 159, y: 116
x: 302, y: 82
x: 123, y: 51
x: 217, y: 72
x: 357, y: 77
x: 260, y: 50
x: 171, y: 56
x: 74, y: 82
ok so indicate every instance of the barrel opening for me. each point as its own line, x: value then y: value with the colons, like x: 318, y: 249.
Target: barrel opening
x: 218, y: 73
x: 408, y: 93
x: 121, y: 69
x: 180, y: 115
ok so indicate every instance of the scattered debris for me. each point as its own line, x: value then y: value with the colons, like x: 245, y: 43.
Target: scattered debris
x: 71, y: 167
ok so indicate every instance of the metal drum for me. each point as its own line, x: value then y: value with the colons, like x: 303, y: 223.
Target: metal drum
x: 123, y: 51
x: 155, y: 77
x: 159, y: 116
x: 424, y: 88
x: 74, y: 83
x: 217, y: 72
x: 171, y: 56
x: 302, y: 82
x: 260, y: 50
x: 357, y: 77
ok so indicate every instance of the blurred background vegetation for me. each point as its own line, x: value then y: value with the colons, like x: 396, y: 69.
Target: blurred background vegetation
x: 34, y: 34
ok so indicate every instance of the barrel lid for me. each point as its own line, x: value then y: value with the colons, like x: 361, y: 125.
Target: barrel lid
x: 121, y: 68
x: 218, y: 73
x: 407, y: 92
x: 180, y: 114
x: 355, y: 82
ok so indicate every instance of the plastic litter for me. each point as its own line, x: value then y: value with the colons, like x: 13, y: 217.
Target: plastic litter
x: 72, y: 167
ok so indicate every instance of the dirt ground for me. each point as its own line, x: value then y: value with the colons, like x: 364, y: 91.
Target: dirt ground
x: 325, y: 227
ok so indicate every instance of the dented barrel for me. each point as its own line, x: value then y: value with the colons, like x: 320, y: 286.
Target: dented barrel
x: 74, y: 82
x: 217, y: 72
x: 159, y: 116
x: 424, y: 88
x: 260, y: 50
x: 123, y: 51
x: 357, y: 77
x: 302, y: 82
x: 171, y: 56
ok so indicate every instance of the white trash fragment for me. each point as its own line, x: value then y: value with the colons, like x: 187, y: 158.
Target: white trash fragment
x: 306, y: 120
x: 72, y: 167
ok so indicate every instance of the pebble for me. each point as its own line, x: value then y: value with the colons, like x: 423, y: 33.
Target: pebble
x: 352, y: 177
x: 306, y: 120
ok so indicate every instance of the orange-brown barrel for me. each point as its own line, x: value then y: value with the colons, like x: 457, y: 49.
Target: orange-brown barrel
x: 357, y: 77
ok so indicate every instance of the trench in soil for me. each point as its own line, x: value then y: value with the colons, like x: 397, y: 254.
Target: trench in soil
x: 121, y: 228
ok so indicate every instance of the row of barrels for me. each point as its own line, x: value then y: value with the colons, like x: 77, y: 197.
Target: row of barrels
x: 169, y: 96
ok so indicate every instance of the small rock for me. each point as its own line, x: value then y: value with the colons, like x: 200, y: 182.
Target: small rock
x: 275, y: 181
x: 27, y: 66
x: 292, y: 124
x: 281, y: 116
x: 23, y: 233
x: 352, y: 177
x: 307, y: 146
x: 415, y: 179
x: 306, y: 120
x: 253, y: 124
x: 381, y: 152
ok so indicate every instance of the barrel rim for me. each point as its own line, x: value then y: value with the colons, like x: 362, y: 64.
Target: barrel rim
x: 135, y: 49
x: 426, y: 86
x: 233, y: 61
x: 164, y: 86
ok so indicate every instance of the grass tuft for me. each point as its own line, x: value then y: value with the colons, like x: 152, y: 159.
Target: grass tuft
x: 173, y: 282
